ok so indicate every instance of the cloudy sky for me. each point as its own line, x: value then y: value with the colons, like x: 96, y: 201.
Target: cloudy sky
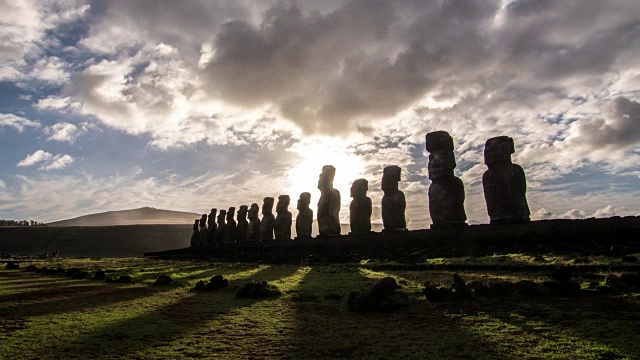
x: 187, y: 105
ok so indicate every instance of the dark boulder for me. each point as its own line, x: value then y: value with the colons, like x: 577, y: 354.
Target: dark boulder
x: 383, y: 288
x: 499, y: 288
x: 562, y: 273
x: 124, y: 279
x: 12, y: 266
x: 527, y: 288
x: 81, y: 275
x: 563, y: 288
x: 460, y: 288
x: 479, y: 288
x: 60, y: 271
x: 42, y: 270
x: 71, y: 272
x: 163, y: 280
x: 630, y: 278
x: 257, y: 290
x: 100, y: 275
x: 31, y: 268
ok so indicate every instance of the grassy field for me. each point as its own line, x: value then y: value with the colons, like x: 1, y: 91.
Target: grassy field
x: 49, y: 316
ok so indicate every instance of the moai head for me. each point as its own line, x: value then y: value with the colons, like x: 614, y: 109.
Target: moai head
x: 283, y: 204
x: 439, y: 140
x: 391, y: 177
x: 242, y: 212
x: 231, y: 213
x: 221, y: 216
x: 304, y: 201
x: 253, y: 211
x: 359, y: 188
x: 498, y: 150
x: 203, y: 219
x: 213, y: 213
x: 325, y: 182
x: 267, y: 206
x: 441, y: 164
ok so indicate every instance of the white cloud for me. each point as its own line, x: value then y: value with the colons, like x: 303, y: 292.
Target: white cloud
x: 36, y: 157
x: 64, y: 131
x: 17, y: 122
x: 47, y: 160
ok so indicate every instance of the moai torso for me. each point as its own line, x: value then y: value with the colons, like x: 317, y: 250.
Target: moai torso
x: 393, y: 201
x: 243, y: 224
x: 253, y: 229
x: 304, y: 220
x: 282, y: 223
x: 328, y: 204
x: 360, y: 208
x: 213, y: 227
x: 220, y: 233
x: 504, y: 183
x: 230, y: 226
x: 267, y: 222
x: 446, y: 192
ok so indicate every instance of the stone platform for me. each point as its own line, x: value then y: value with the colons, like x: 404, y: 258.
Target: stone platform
x: 615, y: 236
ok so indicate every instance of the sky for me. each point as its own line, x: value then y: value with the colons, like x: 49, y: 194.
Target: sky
x: 189, y: 105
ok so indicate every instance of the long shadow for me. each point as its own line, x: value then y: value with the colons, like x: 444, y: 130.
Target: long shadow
x: 326, y: 329
x: 162, y: 325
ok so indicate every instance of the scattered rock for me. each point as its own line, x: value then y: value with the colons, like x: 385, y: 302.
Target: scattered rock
x: 72, y: 272
x: 163, y: 280
x: 479, y: 288
x: 12, y: 266
x: 562, y: 273
x: 527, y: 288
x: 383, y: 288
x: 31, y: 268
x: 460, y: 288
x: 499, y: 288
x: 630, y: 259
x: 100, y: 275
x: 42, y: 270
x: 81, y: 275
x: 362, y: 302
x: 431, y: 293
x: 563, y: 288
x: 630, y: 278
x: 60, y: 271
x: 124, y: 279
x: 218, y: 282
x: 445, y: 293
x: 257, y: 290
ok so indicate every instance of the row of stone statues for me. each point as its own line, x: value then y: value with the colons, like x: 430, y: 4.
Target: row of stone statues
x: 504, y: 189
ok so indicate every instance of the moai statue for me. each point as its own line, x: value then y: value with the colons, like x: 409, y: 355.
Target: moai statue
x: 220, y: 233
x: 304, y: 220
x: 282, y: 224
x: 266, y: 224
x: 253, y: 230
x: 230, y: 226
x: 195, y: 234
x: 202, y: 237
x: 360, y: 208
x: 446, y: 192
x: 213, y: 227
x: 243, y: 224
x: 505, y: 185
x: 329, y: 203
x: 393, y: 200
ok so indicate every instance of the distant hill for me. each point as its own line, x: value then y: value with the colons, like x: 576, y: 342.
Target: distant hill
x: 141, y: 216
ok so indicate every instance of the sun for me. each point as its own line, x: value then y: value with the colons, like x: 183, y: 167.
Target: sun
x: 303, y: 176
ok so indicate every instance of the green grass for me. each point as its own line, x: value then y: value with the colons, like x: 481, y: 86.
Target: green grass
x: 47, y: 316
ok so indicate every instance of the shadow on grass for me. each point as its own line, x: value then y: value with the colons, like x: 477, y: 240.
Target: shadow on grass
x: 161, y: 325
x: 326, y: 329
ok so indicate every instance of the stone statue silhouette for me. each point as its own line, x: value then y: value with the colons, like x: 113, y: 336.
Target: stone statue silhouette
x: 446, y: 192
x: 304, y: 220
x: 220, y: 234
x: 267, y: 222
x: 360, y: 208
x: 230, y: 226
x: 195, y: 234
x: 329, y: 203
x: 202, y: 236
x: 253, y: 230
x: 243, y: 224
x: 282, y: 224
x: 213, y: 227
x: 504, y: 183
x: 393, y: 200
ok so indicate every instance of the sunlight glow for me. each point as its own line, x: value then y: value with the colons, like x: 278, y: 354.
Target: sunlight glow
x: 315, y: 153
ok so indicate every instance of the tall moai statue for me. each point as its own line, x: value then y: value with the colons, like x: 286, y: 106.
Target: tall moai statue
x: 243, y: 224
x: 253, y: 230
x: 195, y: 234
x: 282, y: 224
x: 202, y: 236
x: 266, y: 224
x: 360, y: 208
x: 213, y: 227
x: 393, y: 200
x: 505, y: 185
x: 329, y: 203
x: 230, y: 226
x: 220, y: 236
x: 304, y: 220
x: 446, y: 192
